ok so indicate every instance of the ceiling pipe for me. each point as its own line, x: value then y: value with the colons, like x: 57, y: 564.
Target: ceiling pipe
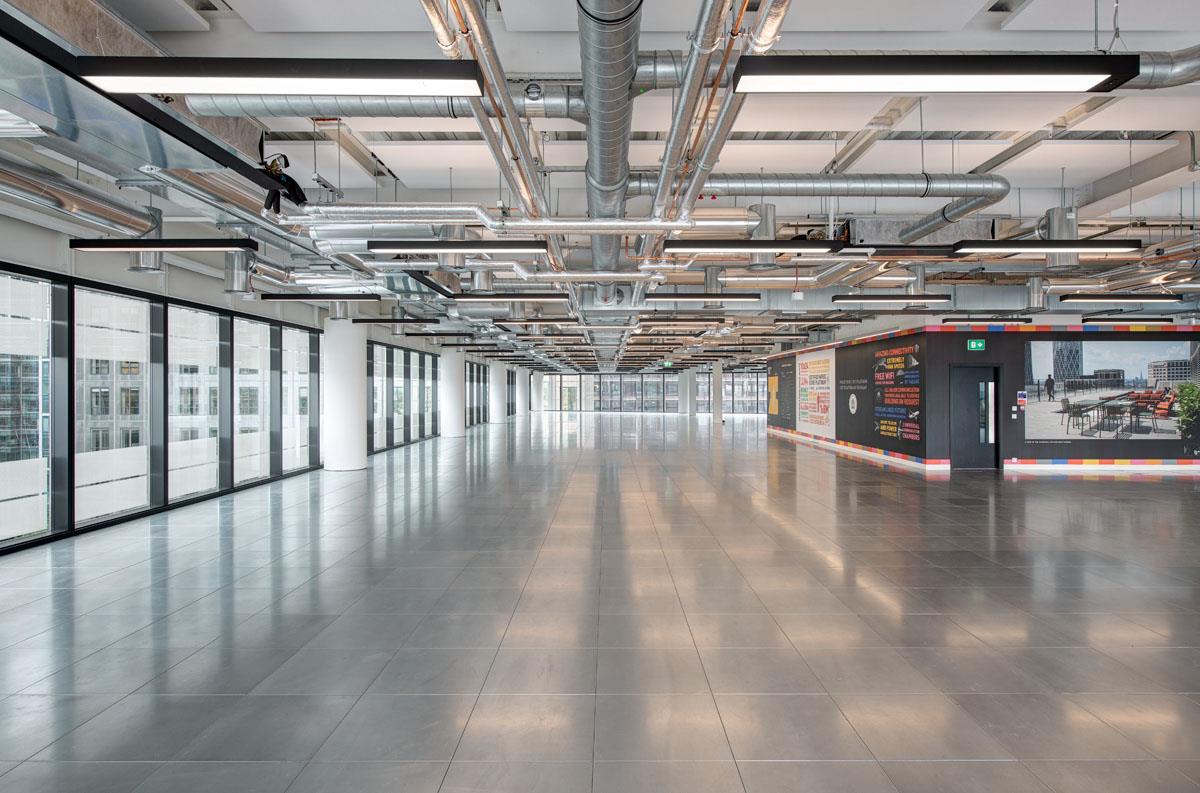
x: 327, y: 217
x: 68, y: 199
x: 915, y: 185
x: 704, y: 40
x: 608, y: 37
x: 764, y: 34
x: 550, y: 100
x: 956, y: 210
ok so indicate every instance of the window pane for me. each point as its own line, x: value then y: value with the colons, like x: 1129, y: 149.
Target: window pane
x: 671, y: 392
x: 252, y: 400
x: 112, y: 424
x: 631, y: 392
x: 428, y: 392
x: 570, y: 392
x: 379, y: 415
x: 397, y: 396
x: 24, y: 406
x: 295, y: 399
x: 193, y: 388
x: 652, y: 393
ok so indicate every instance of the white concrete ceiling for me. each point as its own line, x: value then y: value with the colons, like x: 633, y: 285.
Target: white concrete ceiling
x: 1084, y: 161
x: 1136, y: 15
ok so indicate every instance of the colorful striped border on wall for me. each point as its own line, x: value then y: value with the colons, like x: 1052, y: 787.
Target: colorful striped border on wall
x: 907, y: 460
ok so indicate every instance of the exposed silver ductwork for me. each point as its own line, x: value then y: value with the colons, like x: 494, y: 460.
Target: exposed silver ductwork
x: 953, y: 212
x: 553, y: 100
x: 608, y: 37
x: 915, y: 185
x: 70, y: 200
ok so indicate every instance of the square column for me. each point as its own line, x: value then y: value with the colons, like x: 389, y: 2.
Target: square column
x: 535, y: 387
x: 522, y: 392
x: 717, y: 393
x: 344, y: 425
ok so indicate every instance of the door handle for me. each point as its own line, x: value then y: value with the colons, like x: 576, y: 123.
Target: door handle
x: 991, y: 412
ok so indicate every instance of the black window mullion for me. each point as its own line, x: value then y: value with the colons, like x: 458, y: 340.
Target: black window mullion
x: 314, y: 399
x: 276, y: 417
x: 434, y: 363
x: 156, y: 382
x: 370, y: 397
x: 389, y: 397
x: 225, y: 403
x: 62, y: 403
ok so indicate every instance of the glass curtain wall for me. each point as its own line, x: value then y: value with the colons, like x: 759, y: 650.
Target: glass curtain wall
x: 379, y: 405
x: 428, y: 374
x: 671, y: 393
x: 652, y: 393
x: 295, y: 372
x: 25, y: 391
x: 194, y: 401
x: 160, y: 402
x: 745, y: 392
x: 112, y: 404
x: 252, y: 400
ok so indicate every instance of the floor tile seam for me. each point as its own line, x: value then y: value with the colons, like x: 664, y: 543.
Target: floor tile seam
x: 704, y: 670
x: 491, y: 666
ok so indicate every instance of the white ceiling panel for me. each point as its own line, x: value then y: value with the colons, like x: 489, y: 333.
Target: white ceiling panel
x: 802, y: 156
x: 324, y: 16
x: 1147, y: 111
x: 807, y: 113
x: 885, y: 15
x: 425, y: 165
x: 904, y: 156
x: 992, y: 112
x: 160, y: 16
x: 1143, y: 15
x: 300, y: 155
x: 805, y: 15
x: 1084, y: 160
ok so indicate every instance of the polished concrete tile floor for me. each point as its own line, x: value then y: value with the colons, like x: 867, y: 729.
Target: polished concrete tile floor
x: 615, y: 603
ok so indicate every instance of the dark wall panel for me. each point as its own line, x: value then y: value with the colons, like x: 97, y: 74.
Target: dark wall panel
x: 781, y: 393
x: 880, y: 394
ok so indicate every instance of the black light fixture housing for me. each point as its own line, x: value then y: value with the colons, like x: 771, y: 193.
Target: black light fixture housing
x: 317, y: 296
x: 282, y: 76
x: 1128, y: 320
x: 896, y: 298
x: 1047, y: 246
x: 512, y: 297
x: 987, y: 321
x: 388, y: 321
x: 176, y: 245
x: 702, y: 297
x: 431, y: 247
x: 740, y: 246
x: 1120, y: 297
x: 924, y: 74
x: 817, y: 321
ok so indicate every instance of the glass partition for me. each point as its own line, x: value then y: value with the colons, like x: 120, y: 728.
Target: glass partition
x: 251, y: 400
x: 112, y: 401
x: 294, y: 393
x: 398, y: 392
x: 671, y: 393
x: 570, y: 392
x: 652, y: 393
x: 193, y: 401
x: 631, y: 393
x: 379, y: 405
x: 25, y: 390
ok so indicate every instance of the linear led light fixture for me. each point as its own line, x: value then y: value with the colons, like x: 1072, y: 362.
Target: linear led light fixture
x: 437, y: 333
x: 540, y: 321
x: 178, y: 245
x: 927, y: 74
x: 1048, y: 246
x: 743, y: 246
x: 702, y: 297
x: 816, y: 321
x: 390, y: 321
x: 987, y: 321
x: 759, y: 279
x: 1120, y: 297
x: 332, y: 296
x: 899, y: 298
x: 714, y: 320
x: 1128, y: 319
x: 457, y: 246
x: 514, y: 297
x: 282, y: 76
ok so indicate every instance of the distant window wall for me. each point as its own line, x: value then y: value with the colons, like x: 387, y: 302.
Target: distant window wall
x: 745, y: 392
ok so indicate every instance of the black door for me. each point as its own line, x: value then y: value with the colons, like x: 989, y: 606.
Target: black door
x: 973, y: 424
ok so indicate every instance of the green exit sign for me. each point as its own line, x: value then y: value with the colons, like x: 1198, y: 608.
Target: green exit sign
x: 668, y: 364
x: 976, y: 345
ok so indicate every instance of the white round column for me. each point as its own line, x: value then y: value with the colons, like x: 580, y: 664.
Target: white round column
x: 497, y: 393
x: 522, y: 392
x: 717, y: 393
x: 344, y: 420
x: 452, y: 418
x: 535, y: 388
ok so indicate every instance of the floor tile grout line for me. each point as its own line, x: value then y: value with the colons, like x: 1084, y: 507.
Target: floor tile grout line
x: 499, y: 645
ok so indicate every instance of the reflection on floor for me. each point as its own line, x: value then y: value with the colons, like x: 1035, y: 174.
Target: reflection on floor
x: 615, y: 603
